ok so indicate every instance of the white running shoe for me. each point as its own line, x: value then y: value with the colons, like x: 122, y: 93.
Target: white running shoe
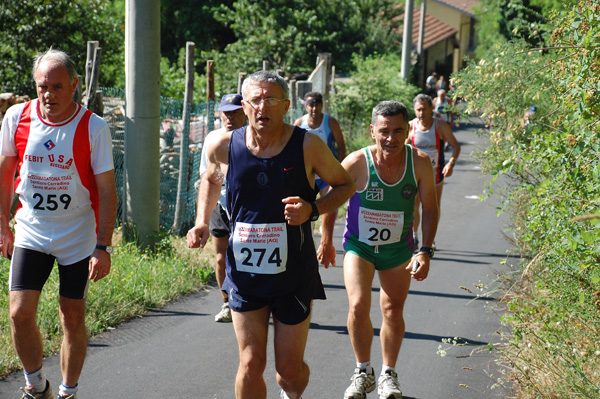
x: 388, y: 386
x: 224, y: 316
x: 29, y: 392
x: 283, y: 395
x: 362, y: 383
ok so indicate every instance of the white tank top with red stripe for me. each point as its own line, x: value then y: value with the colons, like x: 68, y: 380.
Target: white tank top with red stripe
x: 56, y: 183
x: 429, y: 141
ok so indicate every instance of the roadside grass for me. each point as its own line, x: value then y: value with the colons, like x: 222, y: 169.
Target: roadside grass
x: 139, y: 281
x: 551, y: 353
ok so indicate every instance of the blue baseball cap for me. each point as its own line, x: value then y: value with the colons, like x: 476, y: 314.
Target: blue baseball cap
x: 230, y: 102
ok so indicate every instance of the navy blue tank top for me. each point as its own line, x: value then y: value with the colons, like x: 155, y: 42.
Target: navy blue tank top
x: 266, y: 257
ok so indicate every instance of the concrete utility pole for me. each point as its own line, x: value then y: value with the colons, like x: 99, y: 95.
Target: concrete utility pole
x: 407, y: 41
x: 422, y: 28
x: 142, y: 120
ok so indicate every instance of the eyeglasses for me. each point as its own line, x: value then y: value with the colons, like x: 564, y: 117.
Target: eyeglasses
x: 269, y: 102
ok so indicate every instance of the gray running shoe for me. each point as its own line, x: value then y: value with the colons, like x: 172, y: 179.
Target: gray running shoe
x: 362, y: 383
x: 388, y: 386
x: 29, y: 392
x: 72, y: 396
x: 224, y: 316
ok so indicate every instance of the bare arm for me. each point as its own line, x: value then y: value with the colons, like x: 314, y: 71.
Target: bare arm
x: 446, y: 133
x: 429, y: 219
x: 434, y: 104
x: 210, y: 188
x: 100, y: 261
x: 319, y: 160
x: 353, y: 164
x: 298, y: 122
x: 410, y: 132
x: 338, y: 136
x: 8, y: 167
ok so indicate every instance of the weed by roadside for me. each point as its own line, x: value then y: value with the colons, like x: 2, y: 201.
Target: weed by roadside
x: 139, y: 280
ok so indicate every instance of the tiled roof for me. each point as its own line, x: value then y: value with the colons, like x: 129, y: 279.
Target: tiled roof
x: 435, y: 30
x: 463, y: 6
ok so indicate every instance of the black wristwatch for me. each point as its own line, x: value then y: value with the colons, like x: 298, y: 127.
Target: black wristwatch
x: 427, y: 250
x: 315, y: 212
x: 107, y: 248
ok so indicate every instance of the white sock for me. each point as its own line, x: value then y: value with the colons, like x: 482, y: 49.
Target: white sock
x: 385, y: 368
x: 36, y: 379
x: 365, y: 366
x: 284, y: 395
x: 67, y: 390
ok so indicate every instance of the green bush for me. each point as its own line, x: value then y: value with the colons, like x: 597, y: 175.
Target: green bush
x: 553, y: 166
x: 377, y: 78
x: 139, y: 280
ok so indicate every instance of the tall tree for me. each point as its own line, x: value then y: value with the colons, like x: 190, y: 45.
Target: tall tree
x: 291, y: 33
x: 500, y: 21
x: 190, y: 20
x: 30, y: 27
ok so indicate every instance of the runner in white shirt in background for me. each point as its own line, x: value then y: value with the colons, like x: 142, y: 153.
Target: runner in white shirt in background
x: 65, y: 183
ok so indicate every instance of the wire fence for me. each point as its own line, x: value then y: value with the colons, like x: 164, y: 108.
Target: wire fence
x: 202, y: 121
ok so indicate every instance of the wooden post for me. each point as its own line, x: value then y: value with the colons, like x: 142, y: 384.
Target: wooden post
x: 241, y: 77
x: 184, y: 154
x: 89, y: 64
x: 93, y: 84
x: 303, y: 87
x: 265, y: 65
x: 327, y: 66
x: 210, y: 80
x: 78, y: 95
x: 332, y: 85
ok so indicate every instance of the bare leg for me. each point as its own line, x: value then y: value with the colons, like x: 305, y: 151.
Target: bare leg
x: 438, y: 190
x: 251, y: 331
x: 292, y: 372
x: 220, y: 245
x: 358, y: 278
x: 74, y: 344
x: 26, y: 336
x: 395, y: 284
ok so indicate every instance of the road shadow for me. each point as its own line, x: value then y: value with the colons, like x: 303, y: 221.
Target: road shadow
x: 343, y: 330
x: 423, y: 293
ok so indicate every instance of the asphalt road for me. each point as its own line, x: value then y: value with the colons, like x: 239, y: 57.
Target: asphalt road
x: 179, y: 351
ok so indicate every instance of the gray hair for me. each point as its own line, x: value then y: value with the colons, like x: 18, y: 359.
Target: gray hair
x: 423, y: 97
x: 266, y: 76
x: 389, y: 108
x: 58, y: 56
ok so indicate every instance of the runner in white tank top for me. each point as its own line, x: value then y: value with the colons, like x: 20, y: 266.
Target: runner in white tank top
x: 427, y: 134
x: 55, y: 180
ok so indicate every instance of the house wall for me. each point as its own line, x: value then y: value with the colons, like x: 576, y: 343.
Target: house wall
x: 445, y: 14
x: 459, y: 21
x: 437, y: 59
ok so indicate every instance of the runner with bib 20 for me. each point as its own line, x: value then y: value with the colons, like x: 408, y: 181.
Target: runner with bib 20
x: 378, y: 237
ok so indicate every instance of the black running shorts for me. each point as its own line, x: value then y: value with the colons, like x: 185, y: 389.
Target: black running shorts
x: 29, y: 270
